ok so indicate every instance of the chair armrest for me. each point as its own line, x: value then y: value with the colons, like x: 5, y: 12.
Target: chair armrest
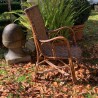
x: 62, y: 28
x: 53, y: 39
x: 59, y: 38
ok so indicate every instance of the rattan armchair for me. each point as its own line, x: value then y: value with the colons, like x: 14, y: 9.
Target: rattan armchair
x: 47, y: 49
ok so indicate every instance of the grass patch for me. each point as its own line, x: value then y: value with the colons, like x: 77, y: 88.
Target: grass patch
x: 91, y: 26
x: 89, y: 44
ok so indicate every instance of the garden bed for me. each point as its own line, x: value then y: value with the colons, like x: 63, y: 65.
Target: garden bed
x: 19, y: 80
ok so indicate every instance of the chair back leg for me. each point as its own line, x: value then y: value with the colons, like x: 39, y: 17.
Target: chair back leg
x: 74, y: 80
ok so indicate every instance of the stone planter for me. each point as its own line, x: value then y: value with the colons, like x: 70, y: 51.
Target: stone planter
x: 78, y: 29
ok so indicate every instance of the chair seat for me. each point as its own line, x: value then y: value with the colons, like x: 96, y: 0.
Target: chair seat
x: 60, y: 51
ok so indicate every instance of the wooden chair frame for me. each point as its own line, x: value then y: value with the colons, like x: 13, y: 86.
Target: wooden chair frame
x: 33, y: 14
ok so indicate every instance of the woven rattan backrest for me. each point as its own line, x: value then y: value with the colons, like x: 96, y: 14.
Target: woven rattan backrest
x: 37, y: 22
x: 38, y: 27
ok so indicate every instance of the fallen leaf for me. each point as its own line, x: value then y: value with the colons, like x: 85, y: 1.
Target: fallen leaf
x: 95, y: 90
x: 55, y: 84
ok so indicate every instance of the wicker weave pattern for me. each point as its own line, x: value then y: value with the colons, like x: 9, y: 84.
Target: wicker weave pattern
x: 38, y: 28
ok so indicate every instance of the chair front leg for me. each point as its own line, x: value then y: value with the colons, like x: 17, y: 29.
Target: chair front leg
x: 72, y: 71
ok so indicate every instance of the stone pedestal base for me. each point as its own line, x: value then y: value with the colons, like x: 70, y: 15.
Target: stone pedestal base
x: 18, y: 60
x: 13, y: 57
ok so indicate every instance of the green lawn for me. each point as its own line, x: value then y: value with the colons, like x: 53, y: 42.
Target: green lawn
x: 89, y: 44
x: 91, y: 29
x: 92, y: 24
x: 18, y: 80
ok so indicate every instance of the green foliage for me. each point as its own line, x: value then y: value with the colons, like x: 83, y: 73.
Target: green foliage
x: 4, y: 22
x: 20, y: 18
x: 23, y: 20
x: 82, y: 11
x: 21, y: 78
x: 4, y: 7
x: 56, y: 14
x: 3, y: 72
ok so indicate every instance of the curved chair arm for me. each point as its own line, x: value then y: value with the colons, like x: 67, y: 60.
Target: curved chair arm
x: 59, y: 38
x: 62, y: 28
x: 53, y: 39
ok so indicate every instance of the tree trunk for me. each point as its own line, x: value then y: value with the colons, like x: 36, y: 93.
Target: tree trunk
x: 22, y: 1
x: 9, y: 5
x: 9, y: 8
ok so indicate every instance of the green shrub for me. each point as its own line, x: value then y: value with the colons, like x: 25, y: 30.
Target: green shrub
x: 4, y: 22
x: 57, y: 13
x: 4, y: 7
x: 82, y: 11
x: 16, y: 6
x: 54, y: 12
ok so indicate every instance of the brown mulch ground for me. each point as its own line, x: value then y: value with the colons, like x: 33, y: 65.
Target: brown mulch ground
x: 20, y: 81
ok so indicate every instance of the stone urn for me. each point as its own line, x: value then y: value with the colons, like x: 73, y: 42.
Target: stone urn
x: 14, y: 39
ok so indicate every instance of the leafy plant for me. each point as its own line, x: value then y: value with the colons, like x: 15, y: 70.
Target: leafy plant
x: 56, y: 14
x: 82, y: 11
x: 14, y: 6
